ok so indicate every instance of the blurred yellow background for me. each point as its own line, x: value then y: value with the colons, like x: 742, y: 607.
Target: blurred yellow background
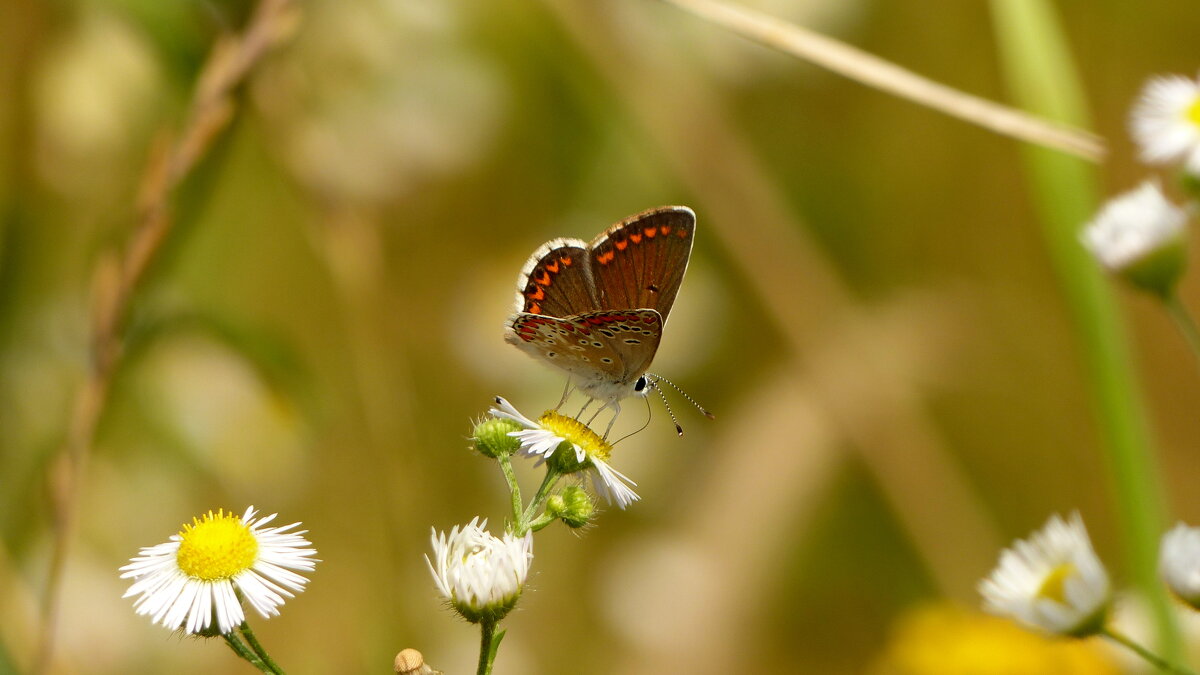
x: 869, y: 311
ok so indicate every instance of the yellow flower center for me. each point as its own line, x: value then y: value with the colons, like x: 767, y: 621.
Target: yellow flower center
x: 578, y: 433
x: 216, y: 547
x: 1193, y: 112
x: 1054, y: 586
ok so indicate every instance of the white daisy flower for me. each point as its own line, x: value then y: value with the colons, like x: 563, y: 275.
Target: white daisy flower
x: 1165, y: 121
x: 480, y: 575
x: 196, y: 578
x: 1140, y: 235
x: 542, y: 437
x: 1179, y: 563
x: 1052, y: 581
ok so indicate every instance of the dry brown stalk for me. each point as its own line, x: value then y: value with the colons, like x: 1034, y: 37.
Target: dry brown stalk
x: 116, y: 279
x: 885, y: 76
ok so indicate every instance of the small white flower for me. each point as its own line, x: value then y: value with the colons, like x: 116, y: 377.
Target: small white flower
x: 1052, y: 581
x: 481, y: 575
x: 196, y: 577
x: 1133, y: 227
x: 542, y: 437
x: 1179, y: 563
x: 1165, y: 121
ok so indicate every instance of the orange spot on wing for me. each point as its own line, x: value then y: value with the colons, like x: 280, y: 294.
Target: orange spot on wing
x: 605, y: 258
x: 543, y: 280
x: 566, y: 261
x: 635, y: 238
x: 682, y: 234
x: 649, y: 318
x: 622, y: 245
x: 535, y: 308
x: 552, y: 268
x: 665, y: 229
x: 540, y: 295
x: 650, y: 231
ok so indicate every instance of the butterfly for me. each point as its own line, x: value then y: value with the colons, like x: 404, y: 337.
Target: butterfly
x: 597, y: 309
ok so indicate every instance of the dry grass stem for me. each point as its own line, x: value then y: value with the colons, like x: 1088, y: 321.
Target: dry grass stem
x: 886, y: 76
x: 116, y: 280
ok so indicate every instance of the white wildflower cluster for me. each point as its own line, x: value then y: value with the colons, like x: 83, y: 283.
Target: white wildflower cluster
x: 1139, y: 236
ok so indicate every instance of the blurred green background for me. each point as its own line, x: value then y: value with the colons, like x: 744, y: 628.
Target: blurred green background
x: 869, y: 312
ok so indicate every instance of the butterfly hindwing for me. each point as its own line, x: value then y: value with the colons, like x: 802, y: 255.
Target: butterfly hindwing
x: 617, y: 344
x: 640, y: 262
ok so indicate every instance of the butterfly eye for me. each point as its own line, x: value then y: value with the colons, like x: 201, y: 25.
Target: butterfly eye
x: 640, y: 385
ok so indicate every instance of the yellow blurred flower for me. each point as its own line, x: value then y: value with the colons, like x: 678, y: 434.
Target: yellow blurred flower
x: 945, y: 639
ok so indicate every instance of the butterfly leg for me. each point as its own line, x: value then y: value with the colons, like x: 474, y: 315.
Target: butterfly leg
x: 585, y: 407
x: 616, y: 406
x: 566, y: 392
x: 594, y: 415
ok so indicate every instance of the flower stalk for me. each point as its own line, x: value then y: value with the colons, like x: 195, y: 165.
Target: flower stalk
x: 1150, y: 657
x: 539, y: 500
x: 514, y: 489
x: 244, y: 652
x: 1184, y: 321
x: 489, y: 644
x: 268, y: 663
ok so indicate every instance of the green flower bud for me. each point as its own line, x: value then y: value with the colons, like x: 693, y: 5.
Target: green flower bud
x: 576, y: 508
x: 492, y: 439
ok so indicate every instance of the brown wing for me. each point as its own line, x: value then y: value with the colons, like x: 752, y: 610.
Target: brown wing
x: 614, y: 346
x: 556, y: 280
x: 639, y: 262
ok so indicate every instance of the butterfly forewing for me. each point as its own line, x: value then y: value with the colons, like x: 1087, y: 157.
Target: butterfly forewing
x: 617, y: 344
x: 639, y: 262
x: 556, y: 280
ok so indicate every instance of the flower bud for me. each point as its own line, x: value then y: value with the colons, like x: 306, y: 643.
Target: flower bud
x: 492, y: 439
x: 481, y: 576
x: 573, y: 506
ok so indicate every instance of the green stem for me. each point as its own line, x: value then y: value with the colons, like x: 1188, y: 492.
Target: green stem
x: 1183, y: 321
x: 514, y: 489
x: 489, y: 644
x: 539, y: 500
x: 541, y: 522
x: 1153, y: 659
x: 1039, y: 69
x: 243, y: 651
x: 258, y: 649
